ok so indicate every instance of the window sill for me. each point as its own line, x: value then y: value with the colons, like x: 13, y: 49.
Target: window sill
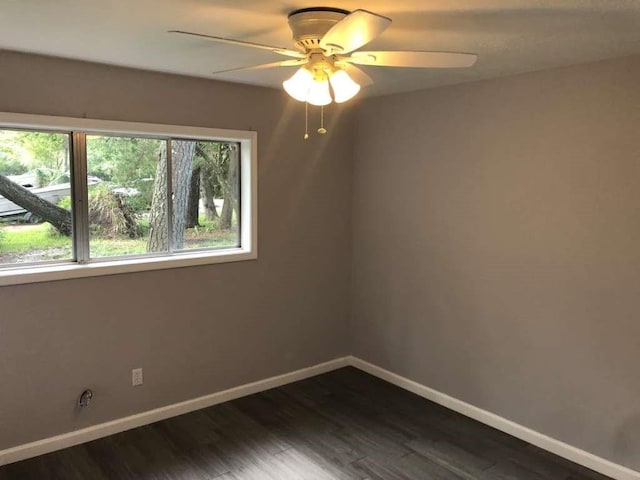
x: 65, y: 271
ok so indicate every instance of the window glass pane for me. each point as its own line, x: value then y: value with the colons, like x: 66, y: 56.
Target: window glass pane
x: 206, y: 194
x: 125, y: 210
x: 35, y: 205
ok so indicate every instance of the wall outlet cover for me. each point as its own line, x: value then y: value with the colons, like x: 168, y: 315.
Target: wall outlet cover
x: 136, y: 377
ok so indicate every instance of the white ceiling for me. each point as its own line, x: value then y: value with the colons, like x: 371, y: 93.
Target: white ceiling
x: 510, y: 36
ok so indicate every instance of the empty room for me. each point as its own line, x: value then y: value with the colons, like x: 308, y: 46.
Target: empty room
x: 341, y: 241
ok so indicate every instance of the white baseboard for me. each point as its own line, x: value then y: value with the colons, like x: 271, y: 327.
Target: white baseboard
x: 47, y: 445
x: 581, y: 457
x: 552, y: 445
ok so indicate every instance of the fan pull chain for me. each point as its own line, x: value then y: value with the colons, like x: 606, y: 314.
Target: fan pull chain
x: 306, y: 120
x: 322, y: 130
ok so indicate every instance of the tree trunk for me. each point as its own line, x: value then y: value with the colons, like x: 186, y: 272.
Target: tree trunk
x: 182, y: 159
x: 207, y: 189
x: 56, y: 216
x: 193, y: 205
x: 158, y: 240
x: 207, y: 181
x: 181, y: 168
x: 132, y: 229
x: 230, y: 190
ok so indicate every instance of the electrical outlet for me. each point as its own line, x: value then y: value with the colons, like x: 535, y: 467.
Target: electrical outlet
x: 136, y: 377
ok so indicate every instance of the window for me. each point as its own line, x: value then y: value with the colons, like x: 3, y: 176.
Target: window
x: 86, y: 197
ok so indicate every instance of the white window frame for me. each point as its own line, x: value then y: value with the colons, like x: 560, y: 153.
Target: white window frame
x: 248, y: 249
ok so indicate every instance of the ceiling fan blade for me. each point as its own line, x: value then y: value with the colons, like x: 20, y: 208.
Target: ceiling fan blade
x: 413, y: 59
x: 353, y: 31
x: 284, y: 63
x: 282, y: 51
x: 358, y: 75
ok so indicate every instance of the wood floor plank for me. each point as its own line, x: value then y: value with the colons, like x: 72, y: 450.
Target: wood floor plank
x: 465, y: 464
x: 343, y: 425
x: 409, y: 467
x: 506, y: 470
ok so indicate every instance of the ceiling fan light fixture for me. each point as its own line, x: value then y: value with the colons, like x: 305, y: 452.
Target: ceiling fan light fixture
x: 328, y: 42
x: 299, y: 85
x: 319, y: 94
x: 344, y: 87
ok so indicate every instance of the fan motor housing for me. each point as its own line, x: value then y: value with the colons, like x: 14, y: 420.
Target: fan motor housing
x: 309, y: 25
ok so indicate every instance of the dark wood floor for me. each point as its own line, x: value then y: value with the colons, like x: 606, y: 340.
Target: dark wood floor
x: 341, y: 425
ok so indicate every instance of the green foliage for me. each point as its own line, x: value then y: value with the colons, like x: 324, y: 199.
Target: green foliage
x: 10, y: 166
x: 122, y: 163
x: 205, y: 226
x: 127, y: 163
x: 65, y: 203
x: 110, y: 247
x: 21, y: 242
x: 22, y: 151
x: 213, y: 160
x: 209, y: 236
x: 109, y: 214
x: 47, y: 176
x: 29, y: 238
x: 143, y: 223
x: 48, y: 150
x: 53, y: 233
x: 141, y: 202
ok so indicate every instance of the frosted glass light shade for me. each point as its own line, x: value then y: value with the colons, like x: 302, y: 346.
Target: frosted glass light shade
x: 319, y: 93
x: 299, y: 84
x: 344, y: 88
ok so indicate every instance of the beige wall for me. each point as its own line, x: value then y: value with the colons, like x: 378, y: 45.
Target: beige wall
x: 193, y: 330
x: 497, y: 248
x: 495, y: 244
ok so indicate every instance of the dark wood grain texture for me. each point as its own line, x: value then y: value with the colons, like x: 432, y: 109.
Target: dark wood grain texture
x: 343, y: 425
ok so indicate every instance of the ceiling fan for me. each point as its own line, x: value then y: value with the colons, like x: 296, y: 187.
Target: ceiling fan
x: 327, y: 42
